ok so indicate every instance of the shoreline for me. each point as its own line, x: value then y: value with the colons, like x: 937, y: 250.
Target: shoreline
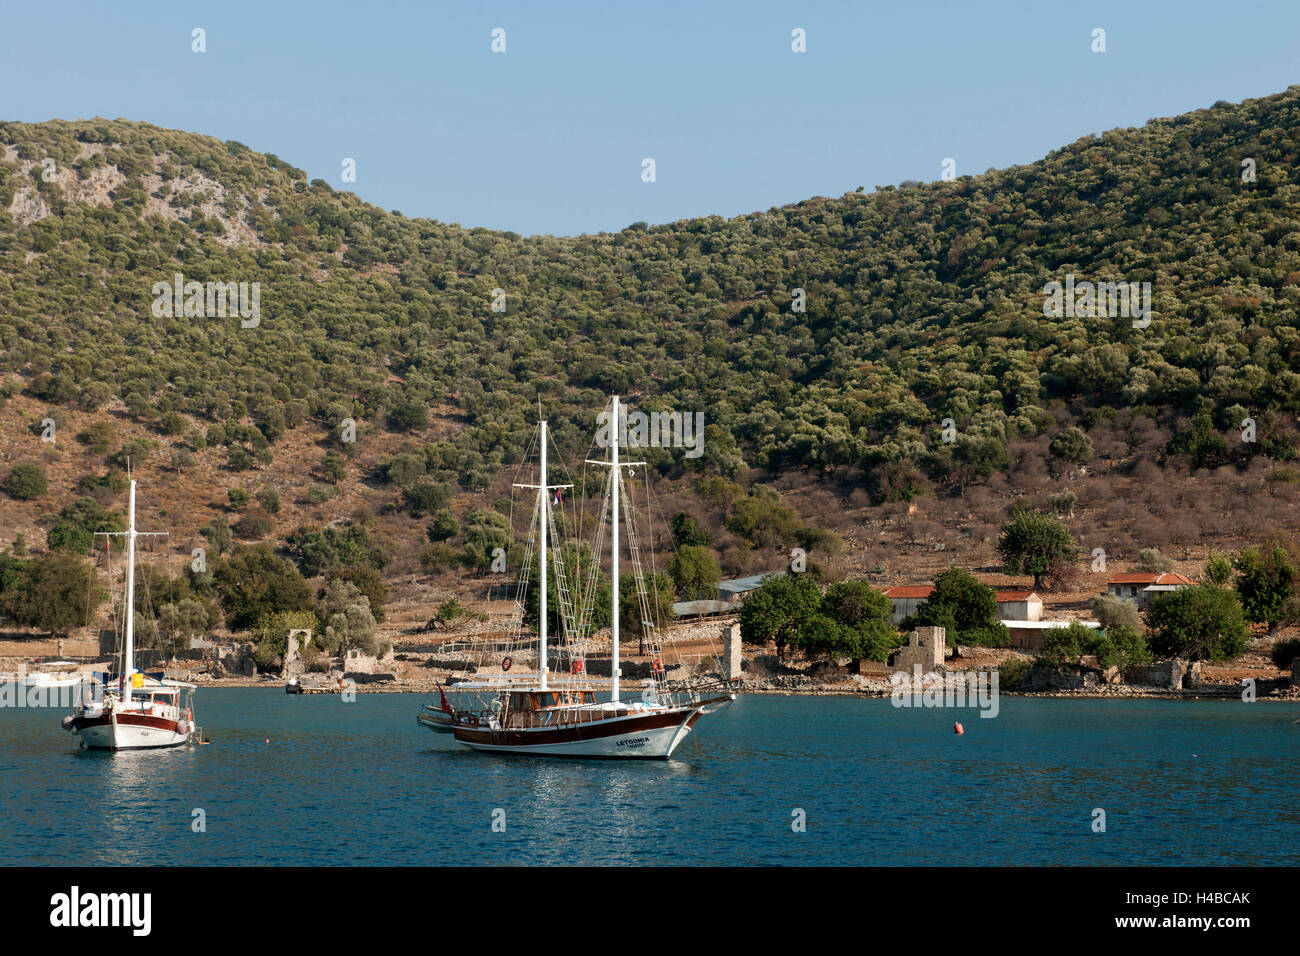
x: 1118, y: 691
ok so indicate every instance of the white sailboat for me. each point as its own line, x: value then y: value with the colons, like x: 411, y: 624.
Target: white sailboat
x: 559, y: 715
x: 139, y: 712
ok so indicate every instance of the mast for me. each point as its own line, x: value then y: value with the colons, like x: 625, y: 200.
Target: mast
x: 613, y: 464
x: 128, y: 649
x: 545, y: 529
x: 613, y: 448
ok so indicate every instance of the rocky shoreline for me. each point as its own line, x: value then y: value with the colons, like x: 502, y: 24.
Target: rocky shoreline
x: 801, y: 685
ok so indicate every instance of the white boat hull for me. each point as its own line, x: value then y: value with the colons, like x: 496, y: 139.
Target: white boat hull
x: 110, y: 733
x: 642, y: 734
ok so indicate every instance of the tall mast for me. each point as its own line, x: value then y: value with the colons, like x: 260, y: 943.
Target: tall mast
x: 544, y: 529
x: 613, y: 463
x: 614, y: 476
x: 128, y: 650
x: 544, y: 494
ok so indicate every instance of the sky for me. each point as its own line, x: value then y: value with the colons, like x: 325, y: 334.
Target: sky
x: 550, y: 136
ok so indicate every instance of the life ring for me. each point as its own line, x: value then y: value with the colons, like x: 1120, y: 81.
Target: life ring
x: 658, y: 666
x: 577, y: 666
x: 506, y: 662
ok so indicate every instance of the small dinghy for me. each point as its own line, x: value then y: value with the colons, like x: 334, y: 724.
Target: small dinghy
x: 438, y: 717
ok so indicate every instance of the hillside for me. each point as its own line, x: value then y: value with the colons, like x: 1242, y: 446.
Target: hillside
x: 923, y: 303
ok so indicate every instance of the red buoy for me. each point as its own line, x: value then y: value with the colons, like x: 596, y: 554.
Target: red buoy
x: 958, y: 729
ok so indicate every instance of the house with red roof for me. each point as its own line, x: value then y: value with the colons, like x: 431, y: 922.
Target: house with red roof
x: 1018, y: 604
x: 908, y: 598
x: 1141, y: 586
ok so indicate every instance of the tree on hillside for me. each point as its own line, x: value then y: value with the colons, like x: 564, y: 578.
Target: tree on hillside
x: 425, y: 498
x: 764, y: 520
x: 75, y: 528
x: 695, y: 572
x: 368, y: 581
x: 485, y: 531
x: 320, y: 550
x: 1114, y: 647
x: 53, y: 592
x: 1218, y: 569
x: 409, y: 416
x: 1266, y: 581
x: 1031, y: 543
x: 865, y: 618
x: 977, y: 456
x: 444, y: 526
x: 1064, y: 646
x: 26, y: 481
x: 581, y: 570
x: 218, y: 534
x: 180, y: 622
x: 965, y: 607
x: 780, y: 610
x: 1113, y: 612
x: 1202, y: 622
x: 1150, y: 559
x: 1205, y: 445
x: 254, y: 582
x: 1072, y: 444
x: 687, y: 531
x: 659, y: 595
x: 348, y: 622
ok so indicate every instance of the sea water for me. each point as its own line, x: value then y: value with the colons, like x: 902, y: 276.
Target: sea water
x: 770, y: 780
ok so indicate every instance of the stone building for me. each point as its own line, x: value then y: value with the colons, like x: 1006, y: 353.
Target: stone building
x: 926, y: 648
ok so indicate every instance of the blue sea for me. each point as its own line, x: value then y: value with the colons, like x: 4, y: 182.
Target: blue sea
x: 314, y: 780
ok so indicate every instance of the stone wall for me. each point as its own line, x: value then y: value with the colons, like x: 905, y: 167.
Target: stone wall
x: 926, y: 647
x: 1041, y: 679
x: 1166, y: 674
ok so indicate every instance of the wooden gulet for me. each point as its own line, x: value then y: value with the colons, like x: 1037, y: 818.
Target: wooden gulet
x: 563, y: 718
x: 140, y: 713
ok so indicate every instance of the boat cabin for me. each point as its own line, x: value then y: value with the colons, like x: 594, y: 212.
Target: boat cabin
x: 549, y: 699
x: 152, y: 699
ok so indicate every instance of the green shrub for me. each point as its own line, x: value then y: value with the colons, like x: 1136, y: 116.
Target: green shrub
x: 1013, y: 672
x: 1285, y: 652
x: 26, y: 482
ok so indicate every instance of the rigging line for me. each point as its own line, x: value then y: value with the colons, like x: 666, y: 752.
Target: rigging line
x: 90, y: 579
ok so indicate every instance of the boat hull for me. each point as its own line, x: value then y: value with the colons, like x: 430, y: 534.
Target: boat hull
x: 636, y: 736
x: 440, y: 722
x: 129, y: 732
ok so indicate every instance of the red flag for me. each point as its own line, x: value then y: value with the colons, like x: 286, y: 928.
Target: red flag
x: 445, y: 706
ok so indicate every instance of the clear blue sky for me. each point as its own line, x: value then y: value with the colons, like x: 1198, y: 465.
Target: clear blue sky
x: 549, y: 136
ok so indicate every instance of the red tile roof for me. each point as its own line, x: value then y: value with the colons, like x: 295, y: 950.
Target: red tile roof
x: 1009, y: 595
x: 910, y: 591
x: 1148, y: 577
